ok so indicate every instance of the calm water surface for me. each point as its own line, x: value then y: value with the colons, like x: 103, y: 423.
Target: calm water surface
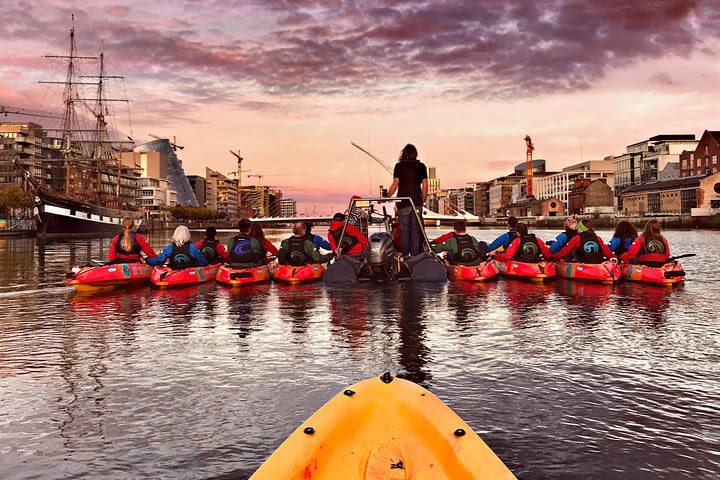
x: 565, y: 380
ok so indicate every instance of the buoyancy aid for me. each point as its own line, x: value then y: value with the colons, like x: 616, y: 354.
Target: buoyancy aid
x: 512, y: 235
x: 180, y: 257
x: 242, y: 252
x: 656, y: 247
x: 467, y: 251
x: 296, y: 254
x: 589, y: 250
x: 209, y: 250
x: 348, y: 241
x: 528, y: 251
x: 625, y: 244
x: 134, y: 249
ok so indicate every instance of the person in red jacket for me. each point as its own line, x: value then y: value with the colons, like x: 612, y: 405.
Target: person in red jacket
x: 526, y: 248
x: 211, y: 248
x: 126, y: 247
x: 650, y: 248
x: 353, y: 242
x: 585, y: 247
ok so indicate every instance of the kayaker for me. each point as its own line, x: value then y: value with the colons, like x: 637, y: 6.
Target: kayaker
x: 244, y: 249
x: 586, y: 247
x: 507, y: 238
x: 650, y: 248
x: 410, y: 179
x: 358, y: 217
x: 316, y: 240
x: 353, y: 242
x: 570, y: 232
x: 126, y: 247
x: 211, y: 248
x: 625, y: 235
x: 298, y: 250
x: 181, y: 253
x: 266, y: 246
x: 463, y: 249
x: 525, y: 248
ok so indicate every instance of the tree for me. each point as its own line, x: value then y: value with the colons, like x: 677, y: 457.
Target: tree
x: 13, y: 196
x: 195, y: 213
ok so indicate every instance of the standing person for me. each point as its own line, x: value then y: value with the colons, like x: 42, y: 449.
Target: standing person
x: 650, y: 248
x: 299, y: 250
x: 586, y: 246
x: 525, y: 248
x: 353, y: 242
x: 316, y: 240
x: 245, y: 249
x: 507, y: 238
x: 625, y: 235
x: 266, y: 246
x: 410, y: 179
x: 211, y: 248
x: 181, y: 253
x: 463, y: 249
x: 571, y: 231
x: 126, y: 247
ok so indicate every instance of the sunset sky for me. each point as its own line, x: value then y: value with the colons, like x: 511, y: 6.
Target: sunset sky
x: 290, y: 83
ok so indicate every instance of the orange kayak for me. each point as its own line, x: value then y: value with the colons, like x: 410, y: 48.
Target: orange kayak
x: 606, y: 272
x: 242, y: 276
x: 167, y: 277
x: 477, y: 273
x: 538, y: 272
x: 383, y: 429
x: 668, y: 274
x: 303, y: 274
x: 108, y: 276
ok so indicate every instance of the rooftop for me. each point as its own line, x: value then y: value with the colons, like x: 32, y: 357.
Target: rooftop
x: 684, y: 182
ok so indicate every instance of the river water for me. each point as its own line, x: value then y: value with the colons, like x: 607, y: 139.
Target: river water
x: 564, y: 380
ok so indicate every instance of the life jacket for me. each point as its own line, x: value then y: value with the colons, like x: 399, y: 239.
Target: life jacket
x: 134, y: 248
x: 528, y: 251
x: 589, y: 250
x: 653, y: 247
x: 570, y: 233
x: 512, y: 235
x: 180, y: 257
x: 296, y: 254
x: 467, y: 252
x: 348, y: 241
x: 209, y: 250
x: 625, y: 244
x: 241, y: 251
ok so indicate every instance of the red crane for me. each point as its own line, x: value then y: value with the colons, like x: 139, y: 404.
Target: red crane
x: 529, y: 165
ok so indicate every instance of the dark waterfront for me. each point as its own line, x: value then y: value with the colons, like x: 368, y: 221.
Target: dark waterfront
x: 564, y: 380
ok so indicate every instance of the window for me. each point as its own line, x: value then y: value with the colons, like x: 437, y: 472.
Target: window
x: 714, y: 159
x: 717, y: 188
x: 692, y: 157
x: 684, y: 164
x: 707, y: 149
x: 699, y: 162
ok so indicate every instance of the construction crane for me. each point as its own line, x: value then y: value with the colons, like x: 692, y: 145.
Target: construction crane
x: 238, y: 176
x: 529, y: 166
x: 173, y: 144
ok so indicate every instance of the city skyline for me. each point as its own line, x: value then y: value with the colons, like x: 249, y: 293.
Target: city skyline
x: 291, y: 83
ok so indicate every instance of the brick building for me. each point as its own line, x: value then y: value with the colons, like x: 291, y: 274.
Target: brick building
x: 590, y: 196
x: 671, y: 197
x: 704, y: 159
x: 549, y: 207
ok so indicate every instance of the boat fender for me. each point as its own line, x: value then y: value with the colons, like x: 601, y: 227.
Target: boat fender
x: 459, y: 432
x: 349, y: 393
x: 309, y: 431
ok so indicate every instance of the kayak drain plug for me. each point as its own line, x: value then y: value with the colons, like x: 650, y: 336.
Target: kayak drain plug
x: 459, y: 432
x: 349, y: 393
x: 309, y: 430
x: 386, y: 377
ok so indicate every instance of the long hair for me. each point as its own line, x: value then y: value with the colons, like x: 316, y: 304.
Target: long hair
x: 652, y: 231
x: 409, y: 153
x: 625, y: 229
x: 587, y: 223
x: 257, y: 233
x: 521, y: 229
x: 127, y: 225
x: 181, y: 235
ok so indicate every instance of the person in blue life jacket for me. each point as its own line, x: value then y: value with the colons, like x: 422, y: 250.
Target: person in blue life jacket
x: 244, y: 250
x: 507, y: 238
x: 181, y: 253
x: 317, y: 240
x: 462, y: 248
x: 570, y: 232
x: 299, y: 250
x: 623, y: 238
x: 585, y: 247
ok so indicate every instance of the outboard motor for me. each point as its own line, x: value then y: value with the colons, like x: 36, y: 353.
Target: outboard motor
x: 381, y: 249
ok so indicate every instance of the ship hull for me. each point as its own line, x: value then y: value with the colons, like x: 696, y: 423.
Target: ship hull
x: 69, y: 218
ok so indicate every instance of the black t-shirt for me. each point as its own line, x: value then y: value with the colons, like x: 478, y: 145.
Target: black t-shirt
x: 410, y: 175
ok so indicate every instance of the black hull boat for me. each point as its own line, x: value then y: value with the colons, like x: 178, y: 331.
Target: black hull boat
x: 55, y: 216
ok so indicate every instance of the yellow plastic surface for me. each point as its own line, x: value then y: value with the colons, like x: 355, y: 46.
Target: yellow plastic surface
x: 382, y: 425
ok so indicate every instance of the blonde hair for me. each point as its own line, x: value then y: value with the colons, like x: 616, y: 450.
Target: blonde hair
x: 127, y: 225
x: 571, y: 223
x: 181, y: 235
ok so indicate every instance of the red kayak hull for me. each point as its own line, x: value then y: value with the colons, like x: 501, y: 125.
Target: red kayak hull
x: 606, y: 272
x: 304, y: 274
x: 537, y: 272
x: 107, y: 277
x: 477, y: 273
x: 167, y: 277
x: 243, y: 276
x: 669, y: 274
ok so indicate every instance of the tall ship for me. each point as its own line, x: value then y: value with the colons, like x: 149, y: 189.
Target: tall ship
x: 75, y: 176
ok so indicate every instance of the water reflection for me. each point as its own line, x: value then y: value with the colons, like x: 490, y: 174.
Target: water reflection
x: 349, y: 314
x: 413, y: 351
x: 647, y: 304
x: 246, y: 307
x: 585, y: 301
x: 297, y: 303
x: 524, y: 299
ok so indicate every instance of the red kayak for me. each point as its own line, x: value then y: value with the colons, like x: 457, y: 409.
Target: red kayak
x: 108, y: 276
x: 167, y: 277
x: 669, y: 274
x: 538, y: 272
x: 243, y: 276
x: 477, y: 273
x: 606, y: 272
x: 303, y: 274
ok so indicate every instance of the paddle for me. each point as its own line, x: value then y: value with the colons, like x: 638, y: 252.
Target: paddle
x: 678, y: 257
